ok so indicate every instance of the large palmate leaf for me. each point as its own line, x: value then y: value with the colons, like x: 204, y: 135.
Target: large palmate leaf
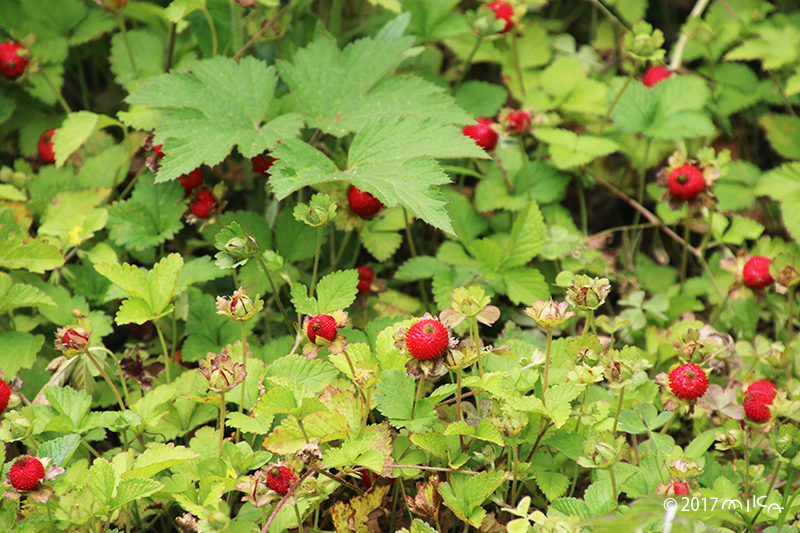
x: 221, y: 104
x: 341, y: 91
x: 391, y: 158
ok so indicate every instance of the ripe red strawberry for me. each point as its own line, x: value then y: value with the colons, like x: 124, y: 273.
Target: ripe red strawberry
x: 280, y: 478
x: 11, y: 63
x: 158, y: 150
x: 503, y: 11
x: 25, y: 473
x: 519, y: 120
x: 262, y: 163
x: 686, y: 182
x: 762, y: 386
x: 427, y: 339
x: 756, y: 405
x: 482, y: 132
x: 203, y: 204
x: 677, y: 488
x: 191, y: 181
x: 323, y: 326
x: 45, y: 147
x: 756, y: 272
x: 653, y: 75
x: 365, y: 277
x: 366, y: 479
x: 688, y: 381
x: 363, y: 203
x: 5, y: 394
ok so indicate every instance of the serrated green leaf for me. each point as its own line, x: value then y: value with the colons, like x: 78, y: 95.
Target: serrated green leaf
x: 135, y: 488
x: 525, y: 285
x: 783, y: 185
x: 599, y: 497
x: 421, y: 267
x: 433, y: 443
x: 464, y: 494
x: 527, y: 237
x: 481, y: 98
x: 570, y: 506
x: 381, y: 244
x: 569, y: 150
x: 337, y: 290
x: 259, y: 425
x: 76, y: 130
x: 221, y: 104
x: 303, y: 303
x: 32, y: 254
x: 198, y: 270
x: 102, y: 480
x: 151, y: 215
x: 288, y: 438
x: 395, y: 401
x: 356, y: 451
x: 775, y: 47
x: 19, y: 351
x: 552, y: 484
x: 742, y: 229
x: 16, y: 295
x: 783, y: 132
x: 158, y: 457
x: 147, y: 50
x: 314, y: 374
x: 672, y: 109
x: 60, y: 450
x: 70, y: 403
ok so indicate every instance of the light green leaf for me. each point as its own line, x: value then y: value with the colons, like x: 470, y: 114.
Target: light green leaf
x: 135, y: 488
x: 314, y: 374
x: 569, y: 150
x: 221, y: 104
x: 178, y: 9
x: 783, y: 185
x: 481, y: 98
x: 303, y: 303
x: 434, y: 443
x: 742, y: 229
x: 337, y: 290
x: 16, y: 295
x: 60, y: 450
x: 102, y: 480
x: 783, y: 133
x: 775, y: 47
x: 198, y: 270
x: 259, y: 425
x: 525, y: 285
x: 395, y: 401
x: 76, y: 130
x: 32, y: 254
x: 421, y: 267
x: 464, y: 494
x: 158, y: 457
x: 527, y: 237
x: 148, y: 51
x: 19, y: 351
x: 70, y: 403
x: 552, y: 484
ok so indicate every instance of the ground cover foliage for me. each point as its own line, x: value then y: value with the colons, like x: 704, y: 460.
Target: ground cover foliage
x: 264, y: 269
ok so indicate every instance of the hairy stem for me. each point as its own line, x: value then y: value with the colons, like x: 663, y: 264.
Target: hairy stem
x: 275, y: 292
x: 316, y: 260
x: 221, y: 423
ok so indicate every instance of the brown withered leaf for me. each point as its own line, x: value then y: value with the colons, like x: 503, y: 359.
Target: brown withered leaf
x: 427, y: 501
x: 133, y: 367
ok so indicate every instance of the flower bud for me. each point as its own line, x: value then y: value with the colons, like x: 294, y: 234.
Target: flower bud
x: 240, y: 306
x: 587, y: 293
x: 221, y: 372
x: 72, y: 340
x: 549, y: 314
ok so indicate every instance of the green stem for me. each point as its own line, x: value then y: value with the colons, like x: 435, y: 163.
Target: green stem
x: 524, y: 155
x: 236, y: 25
x: 221, y: 423
x: 642, y: 181
x: 302, y: 429
x: 669, y: 422
x: 275, y: 292
x: 790, y: 318
x: 614, y: 484
x: 684, y: 257
x: 336, y: 17
x: 244, y: 365
x: 170, y: 46
x: 213, y: 31
x: 458, y: 394
x: 108, y: 380
x: 697, y: 10
x: 462, y: 171
x: 297, y: 516
x: 614, y: 103
x: 582, y: 207
x: 417, y: 395
x: 164, y: 350
x: 467, y: 64
x: 124, y: 31
x: 473, y: 332
x: 619, y: 409
x: 316, y: 260
x: 785, y: 502
x: 413, y: 248
x: 546, y: 363
x: 58, y: 94
x: 342, y: 248
x: 589, y: 323
x: 518, y: 65
x: 515, y: 464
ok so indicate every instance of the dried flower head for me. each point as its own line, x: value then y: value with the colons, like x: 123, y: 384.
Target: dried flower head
x: 587, y: 293
x: 239, y: 306
x: 549, y: 314
x: 221, y: 372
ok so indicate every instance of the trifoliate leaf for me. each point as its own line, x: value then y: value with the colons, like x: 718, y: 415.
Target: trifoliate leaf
x: 673, y: 109
x: 151, y: 215
x: 464, y: 494
x: 570, y: 150
x: 221, y: 104
x: 150, y: 293
x: 341, y: 91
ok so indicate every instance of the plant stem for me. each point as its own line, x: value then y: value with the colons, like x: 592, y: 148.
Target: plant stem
x: 316, y: 260
x: 302, y: 430
x: 336, y: 17
x: 582, y: 206
x: 170, y: 46
x: 286, y: 498
x: 236, y: 25
x: 213, y: 31
x: 417, y: 395
x: 697, y: 10
x: 467, y: 64
x: 515, y: 464
x: 413, y: 248
x: 58, y: 94
x: 124, y: 31
x: 164, y: 350
x: 614, y: 484
x: 614, y: 103
x: 517, y: 67
x: 684, y: 257
x: 785, y: 502
x: 546, y: 363
x: 462, y: 171
x: 221, y: 423
x: 619, y: 408
x: 473, y: 332
x: 275, y: 292
x: 342, y: 248
x: 244, y: 365
x: 107, y: 378
x: 297, y: 516
x: 641, y: 188
x: 790, y: 318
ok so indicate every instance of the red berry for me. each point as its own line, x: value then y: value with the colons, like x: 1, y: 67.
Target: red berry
x: 366, y: 479
x: 11, y: 63
x: 677, y: 488
x: 519, y: 120
x: 45, y: 147
x: 762, y: 386
x: 427, y: 339
x: 191, y: 181
x: 262, y: 163
x: 26, y: 473
x: 686, y: 182
x: 5, y: 394
x: 688, y: 381
x: 157, y: 149
x: 203, y: 204
x: 280, y: 478
x: 365, y: 277
x: 363, y: 203
x: 323, y: 326
x: 756, y: 405
x: 482, y: 132
x: 756, y: 272
x: 655, y: 75
x: 503, y: 11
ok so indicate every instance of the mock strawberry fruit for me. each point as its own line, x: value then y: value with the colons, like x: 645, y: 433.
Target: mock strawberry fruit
x: 756, y: 405
x: 677, y: 488
x: 158, y: 150
x: 191, y: 181
x: 26, y: 473
x: 503, y: 11
x: 203, y: 203
x: 688, y: 381
x: 365, y: 277
x: 262, y: 163
x: 366, y: 479
x: 12, y: 64
x: 5, y: 394
x: 280, y: 478
x: 519, y: 121
x: 482, y: 132
x: 363, y: 203
x: 321, y: 326
x: 427, y: 339
x: 686, y: 182
x: 45, y: 147
x: 656, y: 74
x: 756, y: 272
x: 763, y: 386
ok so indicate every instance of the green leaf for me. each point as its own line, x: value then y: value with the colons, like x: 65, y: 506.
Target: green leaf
x: 158, y: 457
x: 147, y: 50
x: 421, y: 267
x: 481, y: 98
x: 150, y: 293
x: 219, y: 105
x: 198, y: 270
x: 337, y: 290
x: 673, y: 109
x: 783, y: 132
x: 525, y: 285
x: 775, y: 47
x: 102, y: 480
x: 208, y: 331
x: 259, y: 425
x: 76, y: 130
x: 303, y: 303
x: 16, y: 295
x: 34, y: 255
x: 569, y: 150
x: 315, y: 374
x: 742, y: 229
x: 527, y: 237
x: 341, y: 91
x: 70, y: 403
x: 552, y: 484
x: 19, y: 351
x: 599, y: 496
x: 60, y: 450
x: 464, y: 494
x: 73, y: 217
x: 151, y: 215
x: 356, y: 451
x: 135, y: 488
x: 395, y: 401
x: 783, y: 185
x: 433, y: 443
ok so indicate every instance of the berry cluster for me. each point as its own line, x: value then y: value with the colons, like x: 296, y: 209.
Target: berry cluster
x: 365, y: 277
x: 203, y: 203
x: 688, y: 381
x: 757, y: 399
